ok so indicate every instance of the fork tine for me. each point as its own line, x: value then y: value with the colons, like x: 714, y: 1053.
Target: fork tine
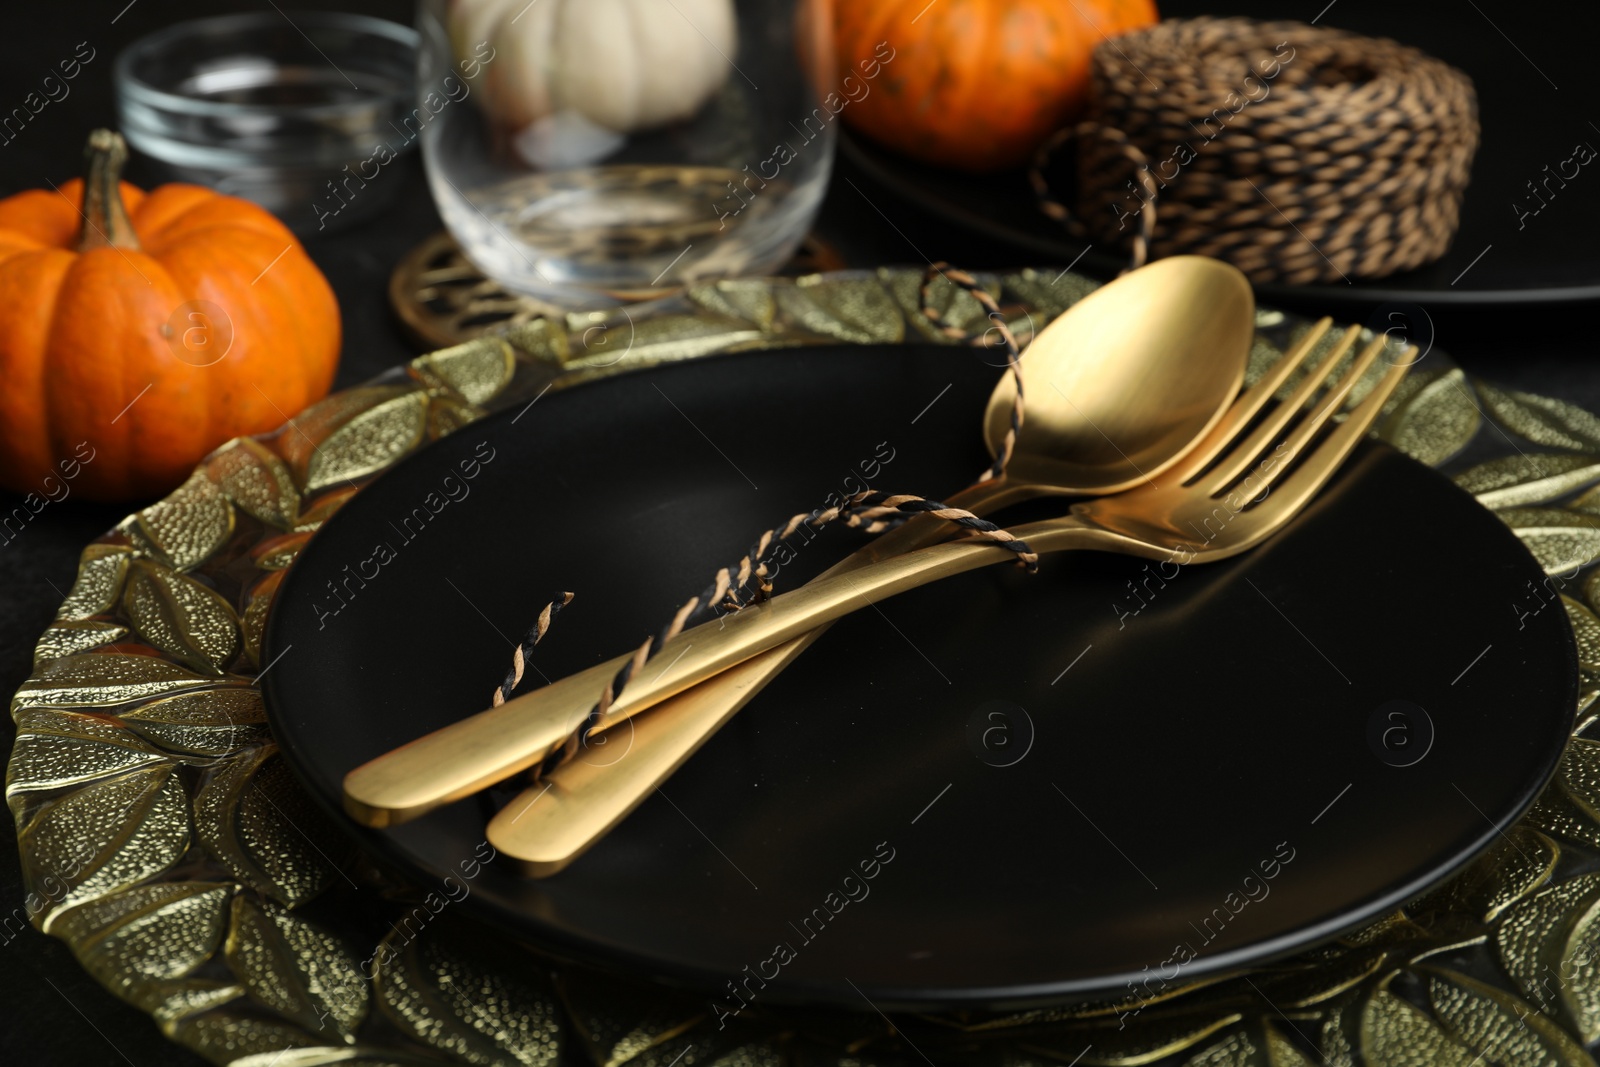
x: 1312, y: 474
x: 1247, y: 453
x: 1249, y: 404
x: 1327, y: 407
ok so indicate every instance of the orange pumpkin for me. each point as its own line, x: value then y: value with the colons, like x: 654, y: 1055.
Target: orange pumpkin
x: 974, y: 84
x: 139, y: 331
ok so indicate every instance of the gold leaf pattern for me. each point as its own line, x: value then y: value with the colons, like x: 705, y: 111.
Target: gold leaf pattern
x: 1409, y: 387
x: 1555, y: 814
x: 1515, y: 481
x: 749, y: 299
x: 854, y: 308
x: 297, y: 970
x: 276, y: 553
x: 299, y: 440
x: 464, y: 1004
x: 1560, y: 540
x: 264, y: 830
x: 1571, y: 807
x: 1548, y: 946
x: 228, y: 1036
x: 1116, y: 1045
x: 610, y: 344
x: 253, y: 623
x: 1586, y: 631
x: 369, y: 441
x: 256, y: 480
x: 1312, y: 985
x: 56, y: 749
x: 1534, y: 934
x: 1579, y: 775
x: 769, y: 1053
x: 1436, y: 422
x: 178, y: 1000
x: 1396, y: 1033
x: 1339, y: 1036
x: 181, y: 617
x: 1587, y: 502
x: 214, y: 722
x: 103, y: 680
x: 476, y: 370
x: 134, y: 939
x: 1577, y: 974
x: 75, y: 636
x: 1542, y: 420
x: 106, y: 836
x: 1046, y: 293
x: 1588, y: 693
x: 1265, y: 1047
x: 194, y: 521
x: 326, y: 1057
x: 1512, y: 868
x: 955, y: 305
x: 446, y: 415
x: 1495, y: 1022
x: 543, y: 341
x: 99, y: 583
x: 1235, y: 1050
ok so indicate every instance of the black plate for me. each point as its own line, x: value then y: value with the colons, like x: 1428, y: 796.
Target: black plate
x: 1526, y: 124
x: 1155, y: 761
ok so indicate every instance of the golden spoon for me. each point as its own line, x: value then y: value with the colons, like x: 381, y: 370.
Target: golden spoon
x: 1119, y: 388
x: 1203, y: 511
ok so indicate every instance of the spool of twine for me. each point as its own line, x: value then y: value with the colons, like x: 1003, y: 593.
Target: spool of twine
x: 1298, y: 153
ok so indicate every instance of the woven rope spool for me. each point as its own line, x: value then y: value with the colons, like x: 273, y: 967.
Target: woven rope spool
x: 1298, y: 153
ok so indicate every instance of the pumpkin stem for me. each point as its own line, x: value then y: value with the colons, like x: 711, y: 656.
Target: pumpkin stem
x: 105, y: 217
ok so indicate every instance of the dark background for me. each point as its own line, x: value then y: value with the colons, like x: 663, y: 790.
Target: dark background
x: 1525, y: 59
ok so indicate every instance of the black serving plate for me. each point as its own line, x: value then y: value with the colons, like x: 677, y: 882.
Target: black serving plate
x: 1053, y: 792
x: 1533, y: 106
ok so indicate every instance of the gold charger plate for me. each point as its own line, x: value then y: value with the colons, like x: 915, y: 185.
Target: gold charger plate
x: 164, y: 840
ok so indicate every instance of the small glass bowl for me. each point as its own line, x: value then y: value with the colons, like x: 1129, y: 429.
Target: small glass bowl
x: 286, y: 110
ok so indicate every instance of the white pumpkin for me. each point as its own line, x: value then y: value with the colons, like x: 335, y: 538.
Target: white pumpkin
x: 624, y: 65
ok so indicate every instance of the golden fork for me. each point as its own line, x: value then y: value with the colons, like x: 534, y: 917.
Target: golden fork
x: 1208, y: 509
x: 1151, y: 521
x: 581, y: 800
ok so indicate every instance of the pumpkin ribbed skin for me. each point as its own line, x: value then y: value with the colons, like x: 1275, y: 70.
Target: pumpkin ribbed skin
x: 84, y: 336
x: 976, y: 84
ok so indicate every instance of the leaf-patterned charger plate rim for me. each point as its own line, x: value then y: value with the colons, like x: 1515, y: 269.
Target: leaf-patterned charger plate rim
x: 162, y: 841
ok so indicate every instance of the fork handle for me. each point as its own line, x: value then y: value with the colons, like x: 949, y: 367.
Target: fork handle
x: 555, y: 822
x: 469, y: 755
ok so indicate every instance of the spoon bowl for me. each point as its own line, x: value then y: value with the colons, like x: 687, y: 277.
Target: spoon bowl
x: 1122, y: 385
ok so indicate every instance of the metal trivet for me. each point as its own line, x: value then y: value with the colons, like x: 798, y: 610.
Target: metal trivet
x: 444, y: 300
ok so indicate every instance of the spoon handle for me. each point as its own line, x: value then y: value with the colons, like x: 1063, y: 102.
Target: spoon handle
x: 474, y: 753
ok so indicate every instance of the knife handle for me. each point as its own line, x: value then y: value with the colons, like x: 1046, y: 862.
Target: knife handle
x: 460, y: 759
x: 555, y: 822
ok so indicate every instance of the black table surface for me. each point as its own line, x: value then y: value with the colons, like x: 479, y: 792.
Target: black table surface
x: 51, y: 1011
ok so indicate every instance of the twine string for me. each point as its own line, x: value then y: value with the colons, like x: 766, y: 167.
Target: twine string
x: 1298, y: 153
x: 524, y: 649
x: 872, y: 511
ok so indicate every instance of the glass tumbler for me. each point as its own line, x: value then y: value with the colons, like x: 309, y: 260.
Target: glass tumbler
x: 282, y: 108
x: 592, y: 152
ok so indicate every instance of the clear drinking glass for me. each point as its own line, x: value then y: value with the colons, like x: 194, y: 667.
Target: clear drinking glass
x: 588, y: 152
x: 284, y: 111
